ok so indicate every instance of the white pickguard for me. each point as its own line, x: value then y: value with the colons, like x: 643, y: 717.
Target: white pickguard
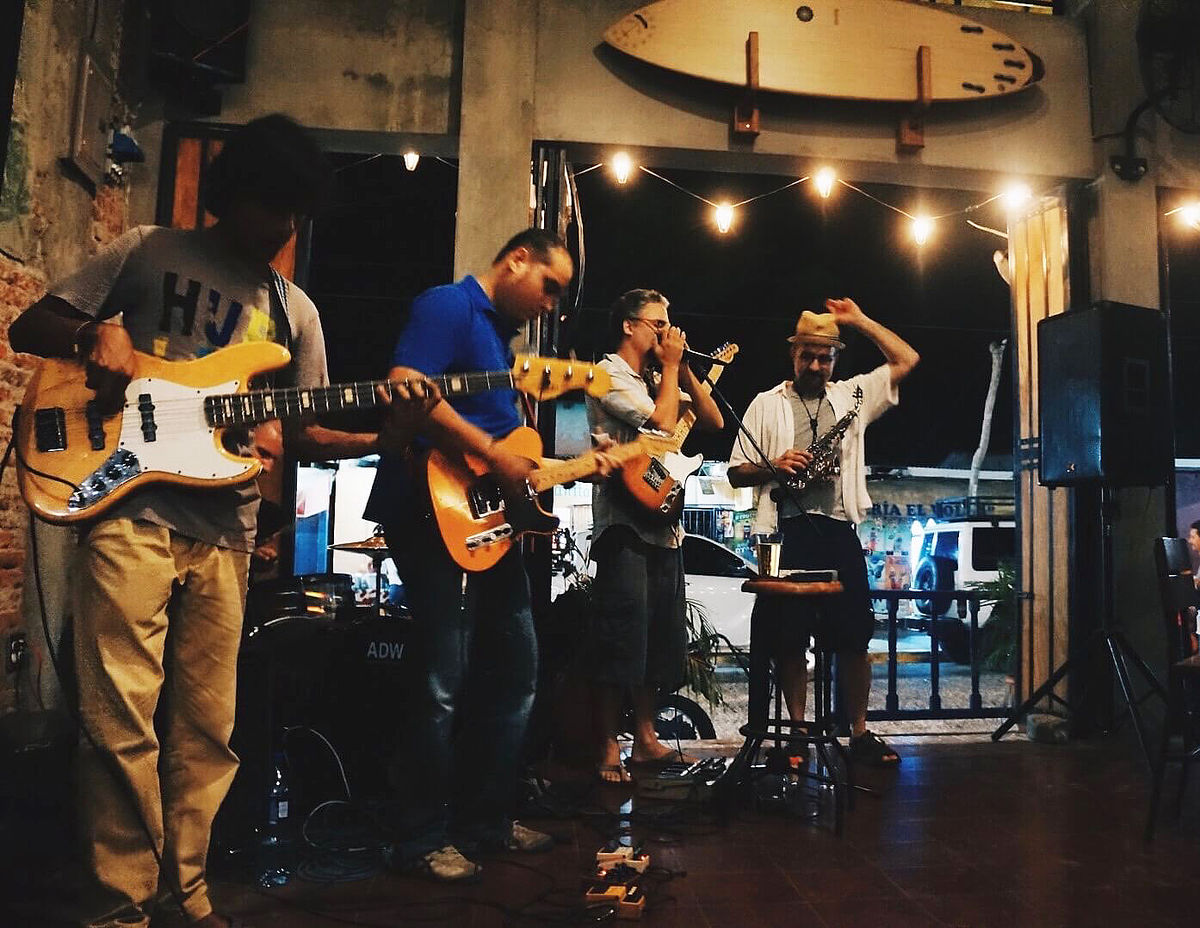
x: 185, y: 444
x: 680, y: 466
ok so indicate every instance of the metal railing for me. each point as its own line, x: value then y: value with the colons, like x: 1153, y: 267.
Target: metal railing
x: 968, y: 604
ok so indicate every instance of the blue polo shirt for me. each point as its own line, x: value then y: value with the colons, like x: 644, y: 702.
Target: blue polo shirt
x: 451, y: 329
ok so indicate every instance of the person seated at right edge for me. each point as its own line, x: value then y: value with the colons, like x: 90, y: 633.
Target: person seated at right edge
x: 1193, y: 540
x: 637, y: 646
x: 818, y: 523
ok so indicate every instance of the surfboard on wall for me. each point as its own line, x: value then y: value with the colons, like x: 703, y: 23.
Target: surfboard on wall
x: 847, y: 49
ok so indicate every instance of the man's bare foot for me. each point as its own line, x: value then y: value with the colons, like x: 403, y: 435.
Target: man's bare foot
x: 610, y: 769
x: 658, y: 753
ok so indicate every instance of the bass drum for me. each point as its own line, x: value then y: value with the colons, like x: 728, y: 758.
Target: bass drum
x: 306, y: 596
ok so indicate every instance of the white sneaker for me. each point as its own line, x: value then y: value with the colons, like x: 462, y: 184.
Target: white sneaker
x: 447, y: 865
x: 527, y: 840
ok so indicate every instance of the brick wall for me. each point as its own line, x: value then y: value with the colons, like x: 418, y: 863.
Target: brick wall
x: 19, y: 286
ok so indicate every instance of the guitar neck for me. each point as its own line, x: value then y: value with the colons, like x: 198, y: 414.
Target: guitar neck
x: 257, y: 406
x: 551, y: 475
x: 688, y: 419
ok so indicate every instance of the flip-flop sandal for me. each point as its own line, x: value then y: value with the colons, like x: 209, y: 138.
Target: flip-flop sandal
x: 623, y: 777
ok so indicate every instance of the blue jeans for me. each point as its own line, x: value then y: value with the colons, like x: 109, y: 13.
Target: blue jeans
x: 472, y: 668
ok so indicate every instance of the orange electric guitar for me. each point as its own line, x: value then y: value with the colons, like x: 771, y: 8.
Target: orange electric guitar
x: 75, y: 459
x: 656, y: 482
x: 479, y: 524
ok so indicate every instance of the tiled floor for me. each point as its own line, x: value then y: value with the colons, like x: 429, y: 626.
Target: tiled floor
x: 965, y: 833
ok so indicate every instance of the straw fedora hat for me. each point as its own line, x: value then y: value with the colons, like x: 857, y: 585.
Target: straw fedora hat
x: 819, y: 328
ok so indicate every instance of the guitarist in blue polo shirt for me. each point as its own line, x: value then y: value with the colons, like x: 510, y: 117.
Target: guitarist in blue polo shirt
x: 473, y: 650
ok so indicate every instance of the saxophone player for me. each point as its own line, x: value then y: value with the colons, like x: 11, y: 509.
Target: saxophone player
x: 817, y: 524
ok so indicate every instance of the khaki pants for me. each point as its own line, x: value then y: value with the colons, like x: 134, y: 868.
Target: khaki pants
x: 156, y: 615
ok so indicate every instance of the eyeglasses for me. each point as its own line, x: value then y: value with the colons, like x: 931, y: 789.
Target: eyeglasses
x: 824, y: 359
x: 657, y: 324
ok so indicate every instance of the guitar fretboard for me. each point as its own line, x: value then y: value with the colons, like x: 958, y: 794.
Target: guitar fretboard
x: 551, y: 475
x: 256, y: 406
x: 688, y: 419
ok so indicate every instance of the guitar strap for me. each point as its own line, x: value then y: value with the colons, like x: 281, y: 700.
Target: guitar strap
x: 278, y: 291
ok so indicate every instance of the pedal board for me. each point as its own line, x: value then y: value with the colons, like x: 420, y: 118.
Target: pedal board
x: 619, y: 885
x: 683, y: 782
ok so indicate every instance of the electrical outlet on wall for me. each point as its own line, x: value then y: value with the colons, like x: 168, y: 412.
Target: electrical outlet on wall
x: 14, y: 655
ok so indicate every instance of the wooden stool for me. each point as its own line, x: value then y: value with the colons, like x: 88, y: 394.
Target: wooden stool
x: 832, y: 765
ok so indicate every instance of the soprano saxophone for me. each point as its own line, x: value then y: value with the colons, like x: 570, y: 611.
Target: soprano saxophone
x: 826, y: 455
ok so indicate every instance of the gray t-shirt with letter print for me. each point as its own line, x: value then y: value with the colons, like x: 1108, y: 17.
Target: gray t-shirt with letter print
x: 183, y: 294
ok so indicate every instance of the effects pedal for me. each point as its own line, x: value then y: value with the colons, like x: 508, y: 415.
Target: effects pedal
x: 631, y: 906
x: 625, y: 872
x: 614, y: 852
x: 604, y: 892
x: 620, y: 886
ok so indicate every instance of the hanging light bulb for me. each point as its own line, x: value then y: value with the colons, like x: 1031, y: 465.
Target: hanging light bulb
x: 1189, y: 215
x: 1015, y: 196
x: 922, y: 228
x: 411, y: 159
x: 824, y: 179
x: 622, y: 167
x: 723, y: 214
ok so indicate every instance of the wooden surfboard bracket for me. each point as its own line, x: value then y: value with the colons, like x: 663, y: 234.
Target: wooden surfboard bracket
x: 910, y: 131
x: 745, y: 112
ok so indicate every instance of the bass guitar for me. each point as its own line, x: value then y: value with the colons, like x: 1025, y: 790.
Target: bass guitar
x: 75, y: 459
x: 656, y: 482
x: 479, y: 524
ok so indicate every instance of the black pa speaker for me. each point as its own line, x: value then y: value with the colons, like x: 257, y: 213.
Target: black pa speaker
x: 1105, y: 416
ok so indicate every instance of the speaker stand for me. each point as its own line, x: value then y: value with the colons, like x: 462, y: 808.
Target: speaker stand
x: 1116, y: 648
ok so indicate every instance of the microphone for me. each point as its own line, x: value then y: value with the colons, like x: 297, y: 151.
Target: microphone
x: 697, y: 356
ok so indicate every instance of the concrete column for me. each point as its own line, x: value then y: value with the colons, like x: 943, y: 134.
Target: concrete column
x: 496, y: 128
x: 1123, y: 246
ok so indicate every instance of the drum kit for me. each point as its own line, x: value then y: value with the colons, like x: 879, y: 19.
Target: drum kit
x: 321, y: 596
x: 376, y: 549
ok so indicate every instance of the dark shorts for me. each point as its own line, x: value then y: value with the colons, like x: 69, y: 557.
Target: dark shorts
x: 841, y: 623
x: 639, y: 632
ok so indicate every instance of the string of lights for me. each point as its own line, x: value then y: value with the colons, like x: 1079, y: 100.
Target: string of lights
x: 922, y: 226
x: 823, y: 180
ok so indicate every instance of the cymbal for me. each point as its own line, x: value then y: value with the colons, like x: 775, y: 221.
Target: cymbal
x: 375, y: 545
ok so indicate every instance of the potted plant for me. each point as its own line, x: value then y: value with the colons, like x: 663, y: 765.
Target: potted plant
x: 998, y: 637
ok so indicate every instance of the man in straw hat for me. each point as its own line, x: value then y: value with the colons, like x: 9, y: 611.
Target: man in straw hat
x: 817, y: 524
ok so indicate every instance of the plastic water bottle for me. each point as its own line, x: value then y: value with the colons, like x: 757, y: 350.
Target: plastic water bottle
x: 273, y: 868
